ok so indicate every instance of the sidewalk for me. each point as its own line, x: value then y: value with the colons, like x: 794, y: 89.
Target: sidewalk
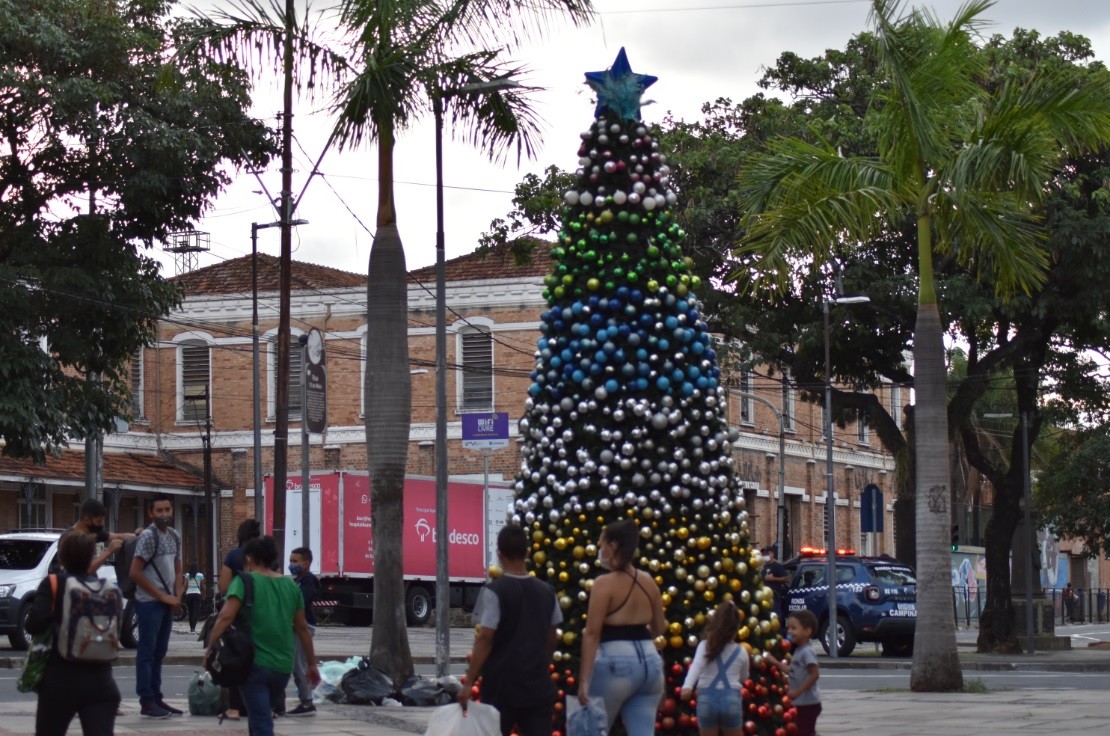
x: 994, y: 713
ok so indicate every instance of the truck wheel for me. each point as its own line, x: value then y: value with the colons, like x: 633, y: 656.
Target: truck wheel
x: 845, y: 637
x: 129, y: 627
x: 418, y: 605
x: 19, y: 639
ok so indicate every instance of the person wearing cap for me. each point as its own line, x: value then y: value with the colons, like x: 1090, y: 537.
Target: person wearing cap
x: 776, y: 578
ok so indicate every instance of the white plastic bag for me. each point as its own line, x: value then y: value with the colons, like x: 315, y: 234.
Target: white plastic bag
x: 477, y: 720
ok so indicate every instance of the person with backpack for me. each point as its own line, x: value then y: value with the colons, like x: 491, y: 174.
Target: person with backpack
x: 233, y: 564
x: 156, y: 572
x: 274, y: 616
x: 83, y: 610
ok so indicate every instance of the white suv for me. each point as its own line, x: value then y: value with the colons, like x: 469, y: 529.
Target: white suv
x: 26, y: 557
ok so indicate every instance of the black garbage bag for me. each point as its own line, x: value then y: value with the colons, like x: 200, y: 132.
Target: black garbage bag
x: 426, y: 692
x: 366, y: 685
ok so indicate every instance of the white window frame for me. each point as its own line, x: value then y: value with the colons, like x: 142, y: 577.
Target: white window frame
x: 789, y: 403
x: 363, y: 340
x: 40, y: 507
x: 186, y: 340
x: 896, y: 404
x: 294, y: 380
x: 470, y: 327
x: 747, y: 403
x: 863, y: 432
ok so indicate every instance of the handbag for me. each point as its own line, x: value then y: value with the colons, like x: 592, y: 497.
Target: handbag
x: 231, y: 657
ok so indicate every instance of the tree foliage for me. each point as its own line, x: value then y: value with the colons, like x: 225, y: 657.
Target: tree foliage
x: 1075, y: 496
x: 106, y: 148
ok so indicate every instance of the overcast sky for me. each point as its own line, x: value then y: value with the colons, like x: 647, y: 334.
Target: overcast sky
x: 699, y: 49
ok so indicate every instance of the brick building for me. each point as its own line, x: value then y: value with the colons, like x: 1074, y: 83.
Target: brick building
x: 202, y: 367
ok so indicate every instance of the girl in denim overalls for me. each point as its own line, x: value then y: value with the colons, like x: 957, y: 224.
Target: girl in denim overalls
x: 718, y: 671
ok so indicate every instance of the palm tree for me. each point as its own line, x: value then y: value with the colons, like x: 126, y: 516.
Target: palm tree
x: 410, y: 54
x: 967, y: 163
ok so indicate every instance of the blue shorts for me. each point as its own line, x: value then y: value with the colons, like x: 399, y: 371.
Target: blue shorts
x: 719, y: 708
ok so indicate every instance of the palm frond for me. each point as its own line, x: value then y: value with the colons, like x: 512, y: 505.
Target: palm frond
x: 510, y: 23
x: 804, y: 199
x: 995, y: 236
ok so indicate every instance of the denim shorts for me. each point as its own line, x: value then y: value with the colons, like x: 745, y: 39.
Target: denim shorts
x: 720, y: 708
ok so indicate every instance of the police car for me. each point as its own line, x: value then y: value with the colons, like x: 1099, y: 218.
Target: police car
x: 876, y: 599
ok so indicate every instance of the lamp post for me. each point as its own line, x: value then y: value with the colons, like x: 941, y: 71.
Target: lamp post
x: 830, y: 493
x: 1027, y: 500
x: 443, y: 591
x: 259, y: 500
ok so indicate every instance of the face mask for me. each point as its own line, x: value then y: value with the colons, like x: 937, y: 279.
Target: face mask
x: 95, y: 528
x: 295, y: 570
x: 162, y: 521
x: 605, y: 563
x: 789, y: 637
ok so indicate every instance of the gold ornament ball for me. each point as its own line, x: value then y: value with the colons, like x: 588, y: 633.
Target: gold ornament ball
x: 674, y: 627
x: 569, y: 637
x: 579, y: 552
x: 683, y: 532
x: 539, y: 557
x: 735, y: 585
x: 709, y: 596
x: 745, y: 632
x: 676, y: 642
x: 561, y: 543
x: 704, y: 542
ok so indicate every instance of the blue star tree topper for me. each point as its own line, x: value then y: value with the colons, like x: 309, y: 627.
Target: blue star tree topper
x: 619, y: 89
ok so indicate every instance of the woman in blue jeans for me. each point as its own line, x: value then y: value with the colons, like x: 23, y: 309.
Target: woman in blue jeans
x: 620, y: 665
x: 276, y: 614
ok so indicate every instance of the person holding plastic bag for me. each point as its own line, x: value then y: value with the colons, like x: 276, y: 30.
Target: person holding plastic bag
x: 620, y: 664
x: 69, y: 688
x: 517, y: 615
x: 276, y: 615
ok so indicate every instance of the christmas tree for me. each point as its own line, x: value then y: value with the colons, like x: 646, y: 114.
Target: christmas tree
x: 626, y: 417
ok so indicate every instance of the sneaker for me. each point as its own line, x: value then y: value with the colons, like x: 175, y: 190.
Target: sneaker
x: 153, y: 710
x: 303, y: 710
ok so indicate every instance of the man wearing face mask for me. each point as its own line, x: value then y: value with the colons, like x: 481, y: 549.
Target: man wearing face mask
x: 92, y: 525
x: 156, y: 570
x: 300, y: 562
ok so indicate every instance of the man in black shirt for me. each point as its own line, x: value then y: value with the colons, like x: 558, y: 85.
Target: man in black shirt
x: 776, y: 578
x: 517, y: 615
x: 300, y: 564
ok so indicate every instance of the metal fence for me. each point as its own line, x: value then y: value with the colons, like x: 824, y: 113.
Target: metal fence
x: 1089, y: 605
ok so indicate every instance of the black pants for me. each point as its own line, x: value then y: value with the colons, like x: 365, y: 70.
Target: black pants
x: 192, y: 605
x: 69, y: 689
x: 535, y: 721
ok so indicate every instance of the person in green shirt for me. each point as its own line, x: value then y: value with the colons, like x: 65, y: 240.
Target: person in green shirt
x: 276, y: 615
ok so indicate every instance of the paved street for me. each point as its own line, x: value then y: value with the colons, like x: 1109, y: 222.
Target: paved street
x: 1048, y: 694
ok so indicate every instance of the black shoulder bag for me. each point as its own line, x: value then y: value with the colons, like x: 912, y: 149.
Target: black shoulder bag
x: 231, y: 656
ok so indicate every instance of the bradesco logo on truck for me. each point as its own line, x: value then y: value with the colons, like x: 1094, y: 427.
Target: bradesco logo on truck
x: 464, y: 524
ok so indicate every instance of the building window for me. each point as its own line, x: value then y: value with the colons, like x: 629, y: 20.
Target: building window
x: 477, y: 369
x: 747, y: 403
x: 195, y: 381
x: 896, y: 404
x: 788, y: 402
x: 863, y: 432
x: 296, y: 369
x: 135, y: 376
x: 362, y: 376
x: 32, y: 506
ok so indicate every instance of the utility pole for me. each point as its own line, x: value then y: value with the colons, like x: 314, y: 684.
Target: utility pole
x: 281, y: 420
x: 209, y: 568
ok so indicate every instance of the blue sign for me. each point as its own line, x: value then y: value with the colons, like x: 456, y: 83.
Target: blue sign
x: 871, y: 509
x: 485, y: 431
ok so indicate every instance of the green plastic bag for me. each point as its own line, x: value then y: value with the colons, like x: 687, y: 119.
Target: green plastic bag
x: 35, y: 665
x: 205, y: 697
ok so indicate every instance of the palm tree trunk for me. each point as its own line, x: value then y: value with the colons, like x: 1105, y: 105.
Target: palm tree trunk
x: 388, y: 416
x: 936, y: 665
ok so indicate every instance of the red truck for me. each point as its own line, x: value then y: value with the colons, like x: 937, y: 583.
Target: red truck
x: 342, y: 541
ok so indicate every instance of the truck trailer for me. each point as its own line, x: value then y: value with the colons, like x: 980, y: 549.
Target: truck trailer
x: 342, y: 541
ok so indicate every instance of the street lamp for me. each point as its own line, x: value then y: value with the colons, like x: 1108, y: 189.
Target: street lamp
x: 443, y: 592
x: 259, y: 501
x: 1028, y: 518
x: 830, y: 494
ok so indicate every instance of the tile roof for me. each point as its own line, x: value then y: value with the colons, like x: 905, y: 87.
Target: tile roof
x: 127, y: 468
x: 494, y: 263
x: 234, y: 277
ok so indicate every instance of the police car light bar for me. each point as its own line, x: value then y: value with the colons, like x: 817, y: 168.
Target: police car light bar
x: 817, y: 551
